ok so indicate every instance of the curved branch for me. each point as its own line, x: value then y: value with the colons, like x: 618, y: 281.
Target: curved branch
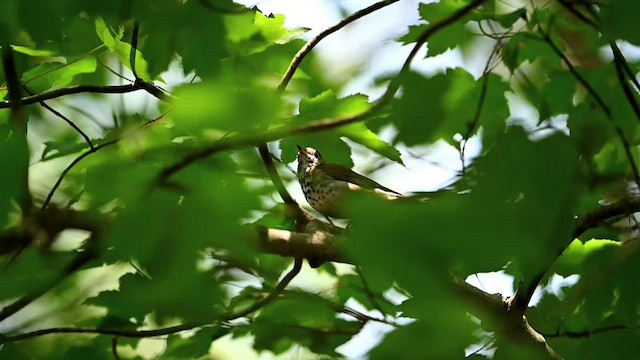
x: 621, y: 68
x: 87, y: 153
x: 292, y: 205
x: 623, y: 139
x: 61, y: 116
x: 306, y: 49
x: 255, y: 138
x: 624, y: 207
x: 589, y: 333
x: 80, y: 260
x: 297, y: 266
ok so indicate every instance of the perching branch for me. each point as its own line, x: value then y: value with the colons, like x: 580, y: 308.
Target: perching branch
x: 620, y: 64
x: 292, y: 206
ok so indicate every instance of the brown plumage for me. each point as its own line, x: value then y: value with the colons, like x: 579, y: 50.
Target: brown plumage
x: 324, y: 185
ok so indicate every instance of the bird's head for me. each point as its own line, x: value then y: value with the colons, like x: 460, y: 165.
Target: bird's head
x: 308, y: 159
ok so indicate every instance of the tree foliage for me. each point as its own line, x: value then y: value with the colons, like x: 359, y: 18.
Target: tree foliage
x: 171, y: 197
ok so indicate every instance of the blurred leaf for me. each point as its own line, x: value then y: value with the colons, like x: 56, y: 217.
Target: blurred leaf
x: 192, y: 347
x: 325, y: 106
x: 214, y: 109
x: 32, y: 52
x: 56, y: 149
x: 419, y: 112
x: 13, y: 166
x: 254, y: 32
x: 304, y: 319
x: 618, y: 21
x: 448, y: 38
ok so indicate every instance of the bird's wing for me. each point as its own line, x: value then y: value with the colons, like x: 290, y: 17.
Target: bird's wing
x: 343, y: 173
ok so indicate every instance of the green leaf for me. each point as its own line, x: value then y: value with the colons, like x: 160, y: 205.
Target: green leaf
x: 48, y: 76
x: 557, y: 94
x: 32, y: 52
x: 326, y: 106
x: 473, y: 104
x: 419, y: 112
x: 301, y: 318
x: 122, y: 50
x: 362, y: 135
x: 192, y: 347
x: 619, y: 21
x: 215, y: 108
x: 448, y: 38
x: 13, y: 186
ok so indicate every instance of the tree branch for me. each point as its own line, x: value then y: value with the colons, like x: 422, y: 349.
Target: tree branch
x: 589, y: 333
x: 95, y: 89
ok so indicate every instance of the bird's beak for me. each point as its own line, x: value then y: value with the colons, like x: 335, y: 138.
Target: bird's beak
x: 300, y: 149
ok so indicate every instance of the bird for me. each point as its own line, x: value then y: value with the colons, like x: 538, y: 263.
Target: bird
x: 325, y: 185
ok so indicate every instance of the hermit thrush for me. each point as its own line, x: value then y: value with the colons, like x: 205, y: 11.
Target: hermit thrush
x: 325, y: 185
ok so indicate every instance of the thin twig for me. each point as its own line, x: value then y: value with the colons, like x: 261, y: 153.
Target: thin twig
x: 306, y: 49
x: 89, y: 152
x: 367, y: 290
x: 66, y: 119
x: 114, y: 348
